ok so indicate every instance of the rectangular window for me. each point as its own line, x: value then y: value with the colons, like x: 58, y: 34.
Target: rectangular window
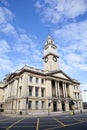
x: 42, y: 81
x: 42, y: 92
x: 36, y: 104
x: 42, y: 104
x: 20, y: 90
x: 30, y: 90
x: 74, y: 87
x: 36, y: 91
x: 77, y: 87
x: 75, y: 96
x: 30, y: 78
x: 78, y: 96
x: 36, y: 80
x: 30, y: 105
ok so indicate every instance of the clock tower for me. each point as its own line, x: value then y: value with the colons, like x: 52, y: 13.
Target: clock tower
x: 50, y: 55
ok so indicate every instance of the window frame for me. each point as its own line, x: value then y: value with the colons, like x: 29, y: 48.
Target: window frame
x: 42, y: 92
x: 30, y: 78
x: 42, y: 104
x: 37, y: 79
x: 36, y: 105
x: 30, y: 88
x: 29, y: 105
x: 42, y: 81
x: 36, y: 91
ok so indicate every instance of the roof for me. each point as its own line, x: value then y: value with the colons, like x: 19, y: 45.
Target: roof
x: 57, y: 74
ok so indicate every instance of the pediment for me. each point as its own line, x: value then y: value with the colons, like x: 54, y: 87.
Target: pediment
x: 61, y: 75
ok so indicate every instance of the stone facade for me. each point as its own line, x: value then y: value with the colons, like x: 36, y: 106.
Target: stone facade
x: 32, y: 90
x: 1, y: 95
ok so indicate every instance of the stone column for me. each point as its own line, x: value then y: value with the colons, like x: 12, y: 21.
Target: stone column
x: 39, y: 105
x: 15, y: 85
x: 58, y: 88
x: 39, y: 92
x: 33, y: 104
x: 63, y: 89
x: 59, y: 106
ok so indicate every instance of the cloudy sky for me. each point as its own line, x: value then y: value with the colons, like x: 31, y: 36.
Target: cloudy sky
x: 25, y: 25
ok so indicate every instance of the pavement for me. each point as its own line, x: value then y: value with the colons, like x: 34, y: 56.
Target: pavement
x: 43, y: 114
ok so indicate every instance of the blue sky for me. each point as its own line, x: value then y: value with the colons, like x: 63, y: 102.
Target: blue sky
x: 25, y: 25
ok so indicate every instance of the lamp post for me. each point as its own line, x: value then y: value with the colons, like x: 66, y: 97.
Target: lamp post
x: 48, y: 109
x: 26, y: 105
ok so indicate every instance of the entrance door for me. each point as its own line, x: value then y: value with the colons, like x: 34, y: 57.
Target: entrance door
x: 54, y: 106
x: 63, y: 106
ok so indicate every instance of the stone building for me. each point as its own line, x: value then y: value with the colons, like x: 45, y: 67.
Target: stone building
x: 34, y: 90
x: 1, y: 95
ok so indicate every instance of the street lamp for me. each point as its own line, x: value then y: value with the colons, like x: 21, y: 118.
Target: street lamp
x: 48, y: 109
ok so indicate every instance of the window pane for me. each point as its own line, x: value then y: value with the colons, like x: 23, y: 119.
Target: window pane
x: 42, y: 81
x: 31, y: 78
x: 30, y: 90
x: 36, y: 91
x: 36, y: 104
x: 36, y: 80
x: 42, y: 92
x: 42, y: 104
x: 30, y: 105
x: 20, y: 90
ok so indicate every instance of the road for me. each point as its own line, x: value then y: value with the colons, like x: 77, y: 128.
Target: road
x: 63, y: 122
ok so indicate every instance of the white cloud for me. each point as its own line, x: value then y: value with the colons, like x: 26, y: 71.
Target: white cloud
x: 21, y: 47
x: 5, y: 15
x: 73, y: 44
x: 24, y: 43
x: 24, y: 49
x: 74, y: 8
x: 64, y: 66
x: 6, y: 18
x: 4, y: 47
x: 73, y: 58
x: 5, y: 62
x: 38, y: 5
x: 83, y: 87
x: 4, y: 2
x: 8, y: 29
x: 27, y: 47
x: 55, y: 10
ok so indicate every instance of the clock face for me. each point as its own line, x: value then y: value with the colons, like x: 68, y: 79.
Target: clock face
x: 46, y: 59
x: 55, y: 58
